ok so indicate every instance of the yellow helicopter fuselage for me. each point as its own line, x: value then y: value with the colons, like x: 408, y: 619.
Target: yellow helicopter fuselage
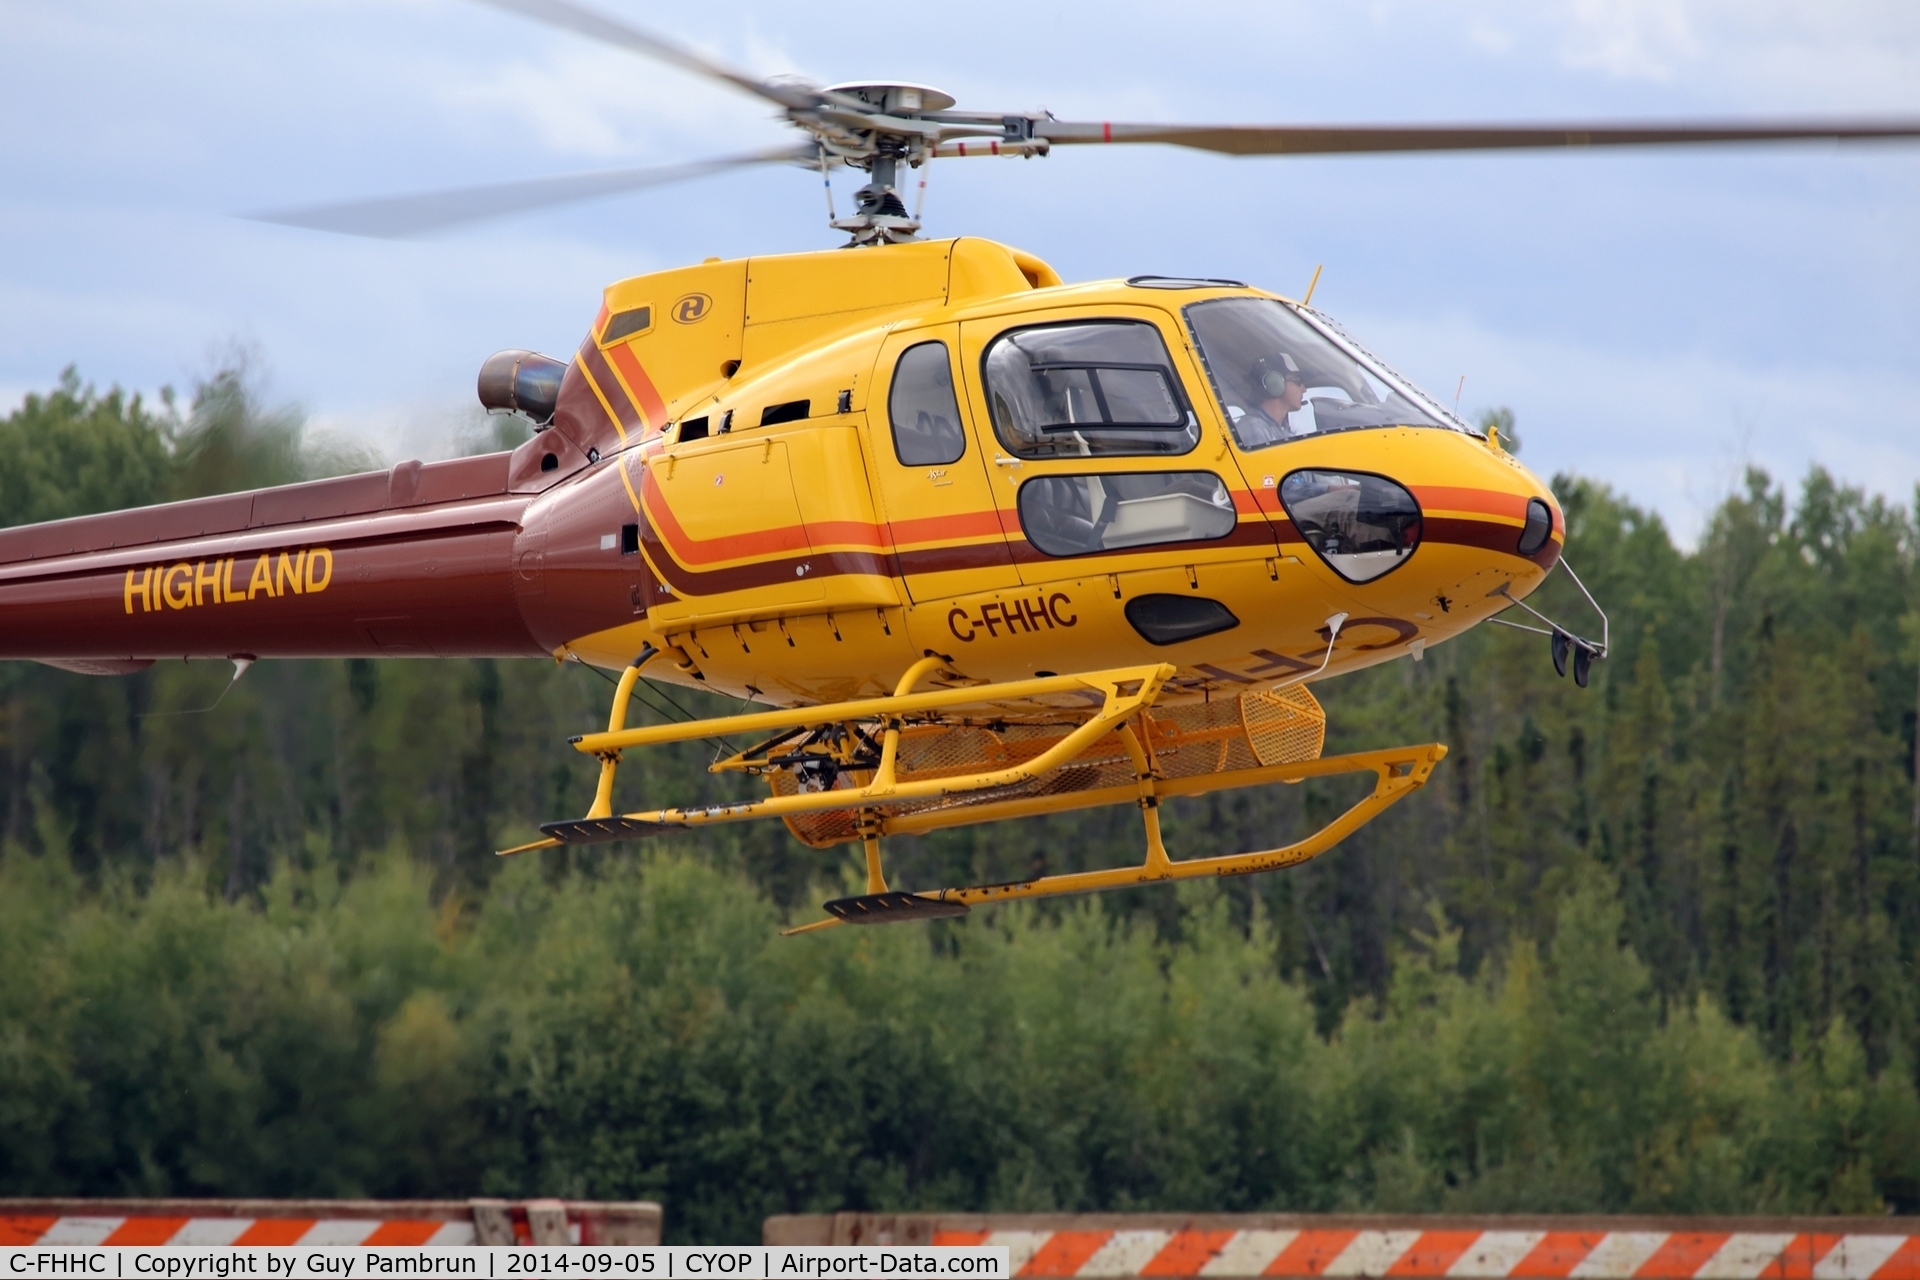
x: 804, y: 561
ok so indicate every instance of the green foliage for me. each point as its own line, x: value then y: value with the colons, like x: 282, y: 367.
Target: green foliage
x: 1647, y: 947
x: 74, y: 451
x: 644, y: 1033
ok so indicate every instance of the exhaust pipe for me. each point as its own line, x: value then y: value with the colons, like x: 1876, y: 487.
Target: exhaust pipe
x: 522, y: 382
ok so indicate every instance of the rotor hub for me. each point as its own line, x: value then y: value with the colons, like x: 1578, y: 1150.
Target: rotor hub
x: 896, y: 97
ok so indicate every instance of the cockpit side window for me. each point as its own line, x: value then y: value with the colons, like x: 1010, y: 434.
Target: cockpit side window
x: 922, y: 409
x: 1087, y: 389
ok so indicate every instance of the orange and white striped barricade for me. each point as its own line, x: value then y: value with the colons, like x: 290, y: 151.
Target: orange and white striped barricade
x: 326, y: 1222
x: 1298, y: 1246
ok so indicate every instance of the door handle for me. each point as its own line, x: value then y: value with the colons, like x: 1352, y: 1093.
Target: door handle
x: 1000, y: 461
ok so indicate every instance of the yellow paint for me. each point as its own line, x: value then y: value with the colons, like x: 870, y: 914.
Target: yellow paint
x: 808, y: 567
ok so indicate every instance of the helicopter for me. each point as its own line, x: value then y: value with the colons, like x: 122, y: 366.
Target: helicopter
x: 980, y: 544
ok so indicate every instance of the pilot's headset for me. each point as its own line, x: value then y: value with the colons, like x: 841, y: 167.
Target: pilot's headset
x: 1270, y: 374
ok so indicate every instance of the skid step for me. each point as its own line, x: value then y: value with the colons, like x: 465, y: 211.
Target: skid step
x: 887, y: 908
x: 599, y: 830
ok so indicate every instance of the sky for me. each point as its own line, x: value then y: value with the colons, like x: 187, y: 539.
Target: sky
x: 1657, y: 320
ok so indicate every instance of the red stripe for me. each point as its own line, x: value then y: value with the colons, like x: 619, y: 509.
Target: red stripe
x: 1311, y: 1253
x: 18, y: 1229
x: 1433, y: 1253
x: 275, y: 1231
x: 402, y: 1232
x: 1557, y: 1255
x: 645, y: 393
x: 146, y: 1231
x: 1904, y: 1264
x: 1796, y: 1261
x: 1187, y: 1252
x: 1065, y: 1253
x: 1683, y: 1254
x: 1106, y: 131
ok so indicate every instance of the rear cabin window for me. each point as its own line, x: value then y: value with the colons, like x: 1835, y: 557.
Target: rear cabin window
x: 1085, y: 515
x: 923, y: 410
x: 1089, y: 389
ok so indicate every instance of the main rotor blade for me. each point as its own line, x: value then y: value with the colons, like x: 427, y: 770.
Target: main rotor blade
x: 571, y: 17
x: 397, y: 217
x: 1327, y: 140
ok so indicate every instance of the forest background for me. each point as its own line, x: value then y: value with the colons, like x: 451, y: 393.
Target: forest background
x: 1646, y: 947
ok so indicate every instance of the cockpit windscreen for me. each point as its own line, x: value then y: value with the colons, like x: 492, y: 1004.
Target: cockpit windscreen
x: 1281, y: 376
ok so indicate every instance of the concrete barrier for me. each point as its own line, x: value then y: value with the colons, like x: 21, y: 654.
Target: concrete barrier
x: 327, y: 1222
x: 1299, y: 1246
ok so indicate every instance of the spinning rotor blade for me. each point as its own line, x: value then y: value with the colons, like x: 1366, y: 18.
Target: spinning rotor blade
x: 397, y: 217
x: 570, y: 17
x: 1278, y: 140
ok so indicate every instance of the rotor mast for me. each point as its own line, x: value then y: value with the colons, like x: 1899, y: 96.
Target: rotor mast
x: 877, y: 128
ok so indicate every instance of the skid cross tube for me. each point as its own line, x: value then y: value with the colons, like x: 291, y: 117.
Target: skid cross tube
x: 1150, y: 679
x: 1123, y: 691
x: 1398, y: 773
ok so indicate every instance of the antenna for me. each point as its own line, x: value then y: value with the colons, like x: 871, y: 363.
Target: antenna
x: 1308, y: 300
x: 1461, y: 386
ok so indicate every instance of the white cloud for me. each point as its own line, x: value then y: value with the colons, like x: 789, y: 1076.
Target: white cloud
x: 1634, y: 39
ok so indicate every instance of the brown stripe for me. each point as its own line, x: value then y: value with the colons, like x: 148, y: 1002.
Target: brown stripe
x: 1246, y: 533
x: 973, y: 555
x: 760, y: 573
x: 596, y: 364
x: 1486, y: 535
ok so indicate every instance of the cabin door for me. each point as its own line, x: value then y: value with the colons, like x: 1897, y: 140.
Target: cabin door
x: 930, y: 473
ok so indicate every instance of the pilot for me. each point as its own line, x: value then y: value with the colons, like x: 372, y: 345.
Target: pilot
x: 1280, y: 388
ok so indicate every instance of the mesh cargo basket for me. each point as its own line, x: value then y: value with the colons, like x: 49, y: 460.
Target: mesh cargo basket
x: 1258, y: 728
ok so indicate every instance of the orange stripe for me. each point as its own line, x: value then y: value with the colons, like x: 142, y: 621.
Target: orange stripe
x: 1557, y: 1255
x: 1492, y: 502
x: 692, y: 551
x: 1310, y: 1253
x: 1187, y: 1252
x: 275, y: 1231
x: 1904, y: 1264
x: 1433, y: 1253
x: 24, y: 1229
x: 958, y: 1239
x: 969, y: 524
x: 146, y: 1231
x: 1683, y: 1254
x: 852, y: 533
x: 645, y: 394
x: 405, y: 1231
x: 1065, y: 1253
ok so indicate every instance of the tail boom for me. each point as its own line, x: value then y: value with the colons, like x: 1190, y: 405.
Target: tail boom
x: 443, y: 560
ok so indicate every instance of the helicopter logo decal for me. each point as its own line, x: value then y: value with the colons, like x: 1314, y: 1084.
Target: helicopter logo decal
x: 692, y: 309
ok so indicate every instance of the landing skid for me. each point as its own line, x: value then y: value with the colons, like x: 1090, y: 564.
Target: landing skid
x: 844, y: 770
